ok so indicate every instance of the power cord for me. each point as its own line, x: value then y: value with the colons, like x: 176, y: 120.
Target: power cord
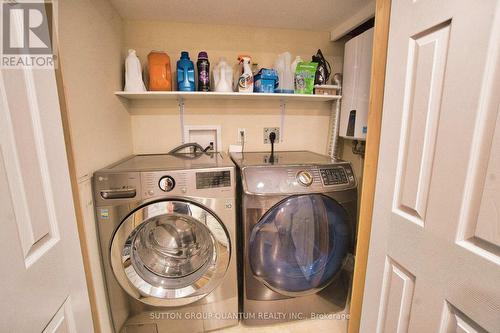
x: 272, y: 138
x: 242, y: 138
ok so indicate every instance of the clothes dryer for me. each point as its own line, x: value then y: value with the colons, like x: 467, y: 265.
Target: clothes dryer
x: 298, y: 214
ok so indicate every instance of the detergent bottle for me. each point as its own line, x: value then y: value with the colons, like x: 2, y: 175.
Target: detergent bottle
x: 223, y: 76
x: 160, y: 74
x: 133, y: 73
x: 245, y: 81
x: 203, y: 66
x: 185, y: 73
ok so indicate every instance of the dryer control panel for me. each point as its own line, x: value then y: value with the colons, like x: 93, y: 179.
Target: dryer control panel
x: 298, y: 179
x: 336, y: 176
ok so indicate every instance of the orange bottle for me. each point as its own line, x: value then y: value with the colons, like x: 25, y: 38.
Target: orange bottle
x: 160, y: 74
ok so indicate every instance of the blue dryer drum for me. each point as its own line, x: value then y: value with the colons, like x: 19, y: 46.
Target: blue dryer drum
x: 299, y: 246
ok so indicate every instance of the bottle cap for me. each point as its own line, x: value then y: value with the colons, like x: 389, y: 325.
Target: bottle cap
x: 185, y: 54
x: 202, y: 55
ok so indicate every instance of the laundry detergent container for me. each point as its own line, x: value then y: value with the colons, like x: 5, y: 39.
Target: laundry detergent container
x: 266, y: 81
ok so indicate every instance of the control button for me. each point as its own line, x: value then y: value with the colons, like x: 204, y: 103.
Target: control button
x: 184, y: 190
x: 305, y: 178
x: 151, y: 192
x: 166, y: 183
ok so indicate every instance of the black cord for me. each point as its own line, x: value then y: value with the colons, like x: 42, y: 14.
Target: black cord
x: 272, y: 137
x: 242, y: 138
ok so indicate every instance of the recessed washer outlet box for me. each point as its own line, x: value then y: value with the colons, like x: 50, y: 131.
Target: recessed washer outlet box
x: 204, y: 135
x: 269, y: 130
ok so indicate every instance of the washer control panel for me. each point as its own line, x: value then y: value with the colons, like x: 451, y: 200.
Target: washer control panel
x: 213, y: 179
x: 203, y: 182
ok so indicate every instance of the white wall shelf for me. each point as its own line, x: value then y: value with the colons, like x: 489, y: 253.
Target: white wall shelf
x: 192, y: 95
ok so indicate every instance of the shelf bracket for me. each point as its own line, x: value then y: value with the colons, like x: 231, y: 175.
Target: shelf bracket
x: 181, y: 116
x: 282, y: 119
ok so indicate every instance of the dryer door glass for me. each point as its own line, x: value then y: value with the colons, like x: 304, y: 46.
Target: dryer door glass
x: 170, y: 253
x: 299, y: 245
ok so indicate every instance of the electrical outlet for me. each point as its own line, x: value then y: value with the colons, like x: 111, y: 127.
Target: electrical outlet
x: 269, y: 130
x: 241, y: 136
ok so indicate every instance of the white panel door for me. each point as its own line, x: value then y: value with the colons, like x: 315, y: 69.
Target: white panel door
x: 434, y: 260
x: 43, y: 285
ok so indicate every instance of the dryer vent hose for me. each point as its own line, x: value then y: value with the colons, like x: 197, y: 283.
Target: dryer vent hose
x: 195, y: 145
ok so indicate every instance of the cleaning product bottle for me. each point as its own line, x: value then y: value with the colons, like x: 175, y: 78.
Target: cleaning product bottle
x: 203, y: 66
x: 133, y: 73
x: 245, y: 82
x: 223, y: 76
x: 185, y: 73
x: 160, y: 74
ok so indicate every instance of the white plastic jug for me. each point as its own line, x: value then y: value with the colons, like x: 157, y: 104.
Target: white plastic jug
x: 283, y: 66
x: 223, y: 76
x: 133, y: 73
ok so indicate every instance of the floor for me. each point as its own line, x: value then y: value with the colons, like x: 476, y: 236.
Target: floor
x: 316, y: 326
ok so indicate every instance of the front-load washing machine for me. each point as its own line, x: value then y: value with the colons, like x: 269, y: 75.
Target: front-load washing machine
x: 298, y: 233
x: 166, y: 227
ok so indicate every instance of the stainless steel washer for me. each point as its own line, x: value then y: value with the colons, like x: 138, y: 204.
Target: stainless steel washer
x: 298, y: 234
x: 166, y: 226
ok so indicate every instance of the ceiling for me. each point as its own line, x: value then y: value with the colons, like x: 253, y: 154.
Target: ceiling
x: 317, y: 15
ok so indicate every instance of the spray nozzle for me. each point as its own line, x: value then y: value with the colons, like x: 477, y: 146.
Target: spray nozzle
x: 242, y: 59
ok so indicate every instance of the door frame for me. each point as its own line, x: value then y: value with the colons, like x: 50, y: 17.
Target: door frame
x: 76, y: 196
x: 377, y: 82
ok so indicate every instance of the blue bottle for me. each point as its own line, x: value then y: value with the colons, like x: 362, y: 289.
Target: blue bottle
x: 185, y: 73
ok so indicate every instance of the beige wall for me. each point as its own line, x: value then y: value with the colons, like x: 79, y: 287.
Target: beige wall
x: 90, y: 39
x: 156, y: 125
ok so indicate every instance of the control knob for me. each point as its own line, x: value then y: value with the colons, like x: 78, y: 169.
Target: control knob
x: 305, y: 178
x: 166, y: 183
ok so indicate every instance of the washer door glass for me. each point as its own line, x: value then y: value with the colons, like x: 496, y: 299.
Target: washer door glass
x: 170, y: 253
x: 300, y: 244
